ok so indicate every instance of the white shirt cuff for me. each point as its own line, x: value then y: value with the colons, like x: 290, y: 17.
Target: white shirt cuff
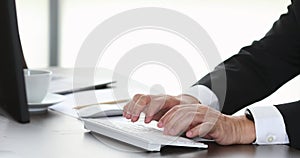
x: 204, y: 95
x: 269, y: 125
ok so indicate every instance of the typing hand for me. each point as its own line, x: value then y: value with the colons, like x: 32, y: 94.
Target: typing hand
x: 203, y: 121
x: 154, y: 106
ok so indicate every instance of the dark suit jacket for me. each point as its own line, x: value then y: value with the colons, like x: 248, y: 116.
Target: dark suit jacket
x: 261, y: 68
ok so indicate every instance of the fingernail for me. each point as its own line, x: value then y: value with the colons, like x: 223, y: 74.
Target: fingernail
x: 128, y: 116
x: 189, y: 134
x: 160, y: 124
x: 134, y: 118
x: 147, y: 119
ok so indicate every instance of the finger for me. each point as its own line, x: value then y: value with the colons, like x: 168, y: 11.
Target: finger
x: 139, y: 107
x: 179, y: 123
x: 133, y: 102
x: 168, y: 115
x: 206, y: 124
x: 201, y: 130
x: 156, y: 105
x: 129, y: 106
x: 179, y: 120
x: 171, y: 101
x: 126, y: 111
x: 206, y: 114
x: 158, y: 115
x: 182, y: 119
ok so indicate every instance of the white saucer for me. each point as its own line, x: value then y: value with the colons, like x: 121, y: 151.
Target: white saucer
x: 49, y: 100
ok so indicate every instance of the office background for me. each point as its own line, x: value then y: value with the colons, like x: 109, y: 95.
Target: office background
x: 52, y: 32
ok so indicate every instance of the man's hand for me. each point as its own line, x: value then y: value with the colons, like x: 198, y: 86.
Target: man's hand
x: 203, y: 121
x: 154, y: 106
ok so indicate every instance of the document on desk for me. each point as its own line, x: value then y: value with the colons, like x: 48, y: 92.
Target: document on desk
x: 70, y: 79
x: 92, y: 98
x: 65, y: 85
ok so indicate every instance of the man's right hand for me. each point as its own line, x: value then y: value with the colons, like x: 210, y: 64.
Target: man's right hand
x: 154, y: 106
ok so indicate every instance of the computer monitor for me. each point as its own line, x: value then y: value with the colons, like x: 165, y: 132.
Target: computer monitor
x: 12, y: 86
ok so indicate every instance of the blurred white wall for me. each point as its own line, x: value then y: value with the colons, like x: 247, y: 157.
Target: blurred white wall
x: 231, y: 23
x: 33, y: 20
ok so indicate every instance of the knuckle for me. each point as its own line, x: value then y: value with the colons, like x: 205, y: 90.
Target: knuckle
x: 136, y: 97
x: 171, y: 100
x: 143, y: 99
x: 137, y: 106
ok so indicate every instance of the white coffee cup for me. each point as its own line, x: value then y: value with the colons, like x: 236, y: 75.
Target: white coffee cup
x: 37, y: 84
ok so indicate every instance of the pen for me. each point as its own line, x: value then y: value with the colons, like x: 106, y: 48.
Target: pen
x: 99, y: 86
x: 108, y: 102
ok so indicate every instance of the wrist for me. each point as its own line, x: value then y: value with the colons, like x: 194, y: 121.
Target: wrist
x: 233, y: 130
x: 246, y: 127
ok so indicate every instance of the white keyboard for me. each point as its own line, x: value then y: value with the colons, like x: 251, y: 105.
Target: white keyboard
x: 138, y: 134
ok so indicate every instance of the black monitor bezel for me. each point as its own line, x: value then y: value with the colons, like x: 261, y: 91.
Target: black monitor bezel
x: 12, y: 86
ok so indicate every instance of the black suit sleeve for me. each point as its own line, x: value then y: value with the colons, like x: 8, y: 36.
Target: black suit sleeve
x: 260, y: 69
x: 290, y: 113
